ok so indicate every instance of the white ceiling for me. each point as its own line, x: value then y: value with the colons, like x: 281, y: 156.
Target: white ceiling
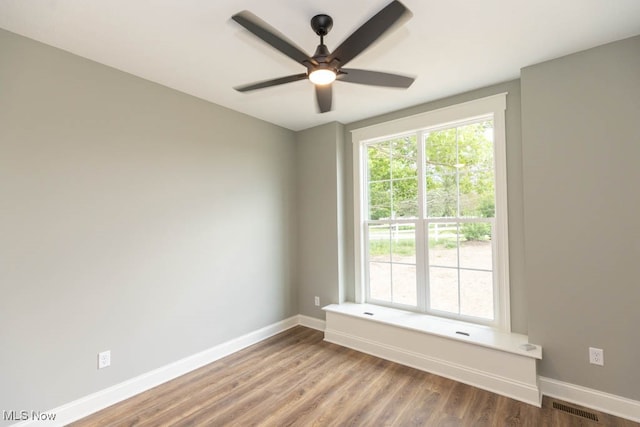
x: 193, y: 46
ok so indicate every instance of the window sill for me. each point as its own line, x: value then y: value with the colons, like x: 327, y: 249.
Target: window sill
x: 484, y: 336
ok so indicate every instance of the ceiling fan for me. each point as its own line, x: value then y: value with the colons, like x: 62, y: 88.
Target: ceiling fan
x: 324, y: 67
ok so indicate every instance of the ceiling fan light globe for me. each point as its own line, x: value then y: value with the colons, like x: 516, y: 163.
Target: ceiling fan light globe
x: 322, y: 76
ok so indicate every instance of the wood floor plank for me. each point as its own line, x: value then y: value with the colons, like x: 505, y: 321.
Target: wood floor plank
x: 297, y: 379
x: 481, y: 408
x: 245, y: 376
x: 399, y: 405
x: 310, y: 396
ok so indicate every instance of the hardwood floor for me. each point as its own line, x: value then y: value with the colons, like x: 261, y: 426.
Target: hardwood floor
x: 297, y: 379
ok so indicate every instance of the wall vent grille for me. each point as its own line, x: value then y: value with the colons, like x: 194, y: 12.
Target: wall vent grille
x: 575, y: 411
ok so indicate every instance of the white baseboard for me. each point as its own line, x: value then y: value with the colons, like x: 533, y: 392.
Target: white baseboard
x: 590, y: 398
x: 87, y: 405
x: 311, y: 322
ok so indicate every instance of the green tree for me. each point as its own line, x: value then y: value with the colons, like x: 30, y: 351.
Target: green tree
x: 393, y: 178
x: 459, y: 169
x: 459, y: 174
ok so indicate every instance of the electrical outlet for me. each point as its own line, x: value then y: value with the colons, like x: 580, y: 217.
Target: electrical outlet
x: 104, y: 359
x: 596, y: 356
x: 316, y: 301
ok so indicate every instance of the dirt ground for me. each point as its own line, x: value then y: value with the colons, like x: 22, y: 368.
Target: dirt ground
x: 476, y: 287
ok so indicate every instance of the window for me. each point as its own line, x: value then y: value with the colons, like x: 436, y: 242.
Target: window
x: 431, y: 208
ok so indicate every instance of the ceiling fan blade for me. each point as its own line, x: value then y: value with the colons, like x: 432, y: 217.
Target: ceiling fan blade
x: 272, y: 82
x: 323, y: 96
x: 375, y: 78
x: 271, y: 36
x: 369, y: 32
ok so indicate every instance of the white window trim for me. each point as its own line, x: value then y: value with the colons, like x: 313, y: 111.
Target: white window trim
x: 494, y: 105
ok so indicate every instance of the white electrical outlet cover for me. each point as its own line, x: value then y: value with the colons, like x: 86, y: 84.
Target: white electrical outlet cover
x: 104, y: 359
x: 596, y: 356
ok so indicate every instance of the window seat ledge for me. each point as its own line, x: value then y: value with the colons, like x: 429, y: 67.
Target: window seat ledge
x: 448, y: 328
x: 486, y: 358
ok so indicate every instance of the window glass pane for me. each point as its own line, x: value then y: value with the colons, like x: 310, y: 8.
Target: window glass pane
x: 380, y: 281
x: 477, y: 192
x: 379, y: 161
x: 404, y: 176
x: 441, y: 174
x: 403, y: 243
x: 442, y: 191
x: 404, y: 284
x: 404, y: 157
x: 476, y: 254
x: 379, y: 242
x: 475, y: 145
x: 443, y: 244
x: 443, y: 289
x: 380, y: 200
x: 476, y: 293
x: 476, y: 231
x: 475, y: 203
x: 405, y: 198
x: 440, y: 147
x: 476, y: 170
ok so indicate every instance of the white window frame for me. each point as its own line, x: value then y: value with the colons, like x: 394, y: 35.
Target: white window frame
x: 493, y: 106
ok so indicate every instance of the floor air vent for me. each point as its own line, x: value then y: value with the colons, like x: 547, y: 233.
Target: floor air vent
x: 575, y: 411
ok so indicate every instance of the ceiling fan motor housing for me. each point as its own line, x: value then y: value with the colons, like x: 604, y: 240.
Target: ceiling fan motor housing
x: 321, y: 59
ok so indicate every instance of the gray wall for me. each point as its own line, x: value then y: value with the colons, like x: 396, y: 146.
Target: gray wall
x: 320, y: 200
x: 514, y: 177
x: 581, y: 144
x: 138, y: 219
x: 132, y: 218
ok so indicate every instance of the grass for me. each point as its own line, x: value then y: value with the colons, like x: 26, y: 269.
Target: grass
x: 406, y: 247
